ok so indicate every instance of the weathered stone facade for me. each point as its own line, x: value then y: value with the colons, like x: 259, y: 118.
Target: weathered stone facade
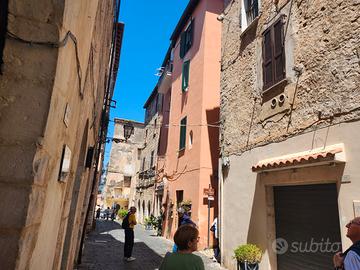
x: 314, y: 108
x: 51, y: 96
x: 145, y: 199
x: 322, y: 43
x: 123, y: 164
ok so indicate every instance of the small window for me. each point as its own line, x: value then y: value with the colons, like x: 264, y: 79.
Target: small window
x: 155, y: 128
x: 65, y: 163
x: 182, y: 134
x: 251, y: 10
x: 273, y: 54
x: 190, y: 139
x: 186, y: 39
x: 127, y: 181
x: 179, y: 197
x: 185, y: 76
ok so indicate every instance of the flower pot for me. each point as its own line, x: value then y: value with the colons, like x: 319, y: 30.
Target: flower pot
x: 247, y: 266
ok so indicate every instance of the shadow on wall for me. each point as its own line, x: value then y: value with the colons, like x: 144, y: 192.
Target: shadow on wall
x: 257, y: 231
x: 212, y: 119
x: 248, y: 37
x: 103, y: 251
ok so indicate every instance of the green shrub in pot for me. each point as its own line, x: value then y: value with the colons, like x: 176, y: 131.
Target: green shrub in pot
x: 248, y: 256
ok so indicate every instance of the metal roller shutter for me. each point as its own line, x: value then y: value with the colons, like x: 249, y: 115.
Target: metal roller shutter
x: 307, y: 218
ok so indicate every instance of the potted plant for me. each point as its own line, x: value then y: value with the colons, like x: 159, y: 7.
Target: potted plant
x: 248, y: 257
x: 147, y: 223
x: 122, y: 213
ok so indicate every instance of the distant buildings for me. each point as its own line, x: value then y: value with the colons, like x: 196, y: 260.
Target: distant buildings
x: 123, y: 164
x: 145, y: 200
x: 180, y: 156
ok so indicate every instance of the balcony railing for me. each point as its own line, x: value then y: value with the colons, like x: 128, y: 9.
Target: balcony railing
x: 145, y: 183
x: 165, y: 78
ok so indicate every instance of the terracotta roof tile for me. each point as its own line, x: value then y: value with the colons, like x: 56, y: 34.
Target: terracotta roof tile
x: 316, y: 155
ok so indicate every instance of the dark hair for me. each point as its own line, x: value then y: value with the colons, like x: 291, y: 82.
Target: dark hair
x: 184, y: 235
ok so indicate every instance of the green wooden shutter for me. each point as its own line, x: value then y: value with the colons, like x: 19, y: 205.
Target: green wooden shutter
x: 185, y: 75
x: 182, y: 142
x: 182, y: 44
x: 189, y: 35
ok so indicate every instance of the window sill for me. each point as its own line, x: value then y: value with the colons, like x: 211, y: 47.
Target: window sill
x: 276, y: 85
x: 275, y: 89
x: 181, y: 152
x: 251, y: 25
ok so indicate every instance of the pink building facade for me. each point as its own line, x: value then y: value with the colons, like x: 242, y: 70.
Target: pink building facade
x: 189, y: 148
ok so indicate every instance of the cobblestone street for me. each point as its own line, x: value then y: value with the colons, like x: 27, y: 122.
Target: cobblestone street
x: 104, y: 249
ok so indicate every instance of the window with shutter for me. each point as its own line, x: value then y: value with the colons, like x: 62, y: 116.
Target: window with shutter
x: 273, y: 54
x: 186, y: 39
x: 182, y: 134
x: 251, y: 9
x: 185, y: 75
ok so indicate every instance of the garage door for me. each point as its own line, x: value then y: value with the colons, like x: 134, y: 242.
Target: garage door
x: 307, y: 226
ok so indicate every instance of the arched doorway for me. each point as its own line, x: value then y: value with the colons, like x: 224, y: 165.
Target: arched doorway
x: 143, y: 212
x: 138, y: 212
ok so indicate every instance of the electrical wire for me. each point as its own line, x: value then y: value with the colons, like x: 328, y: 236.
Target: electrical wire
x: 58, y: 44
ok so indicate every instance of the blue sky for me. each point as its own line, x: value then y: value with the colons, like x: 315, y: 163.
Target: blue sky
x: 148, y: 27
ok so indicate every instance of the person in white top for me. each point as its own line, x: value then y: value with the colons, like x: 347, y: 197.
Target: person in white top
x: 350, y: 259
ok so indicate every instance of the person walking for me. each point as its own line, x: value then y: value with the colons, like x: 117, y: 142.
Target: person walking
x: 98, y: 212
x: 186, y: 238
x: 184, y: 219
x: 128, y: 225
x: 214, y: 229
x: 350, y: 259
x: 107, y: 213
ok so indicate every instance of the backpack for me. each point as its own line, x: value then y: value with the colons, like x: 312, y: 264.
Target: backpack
x: 125, y: 223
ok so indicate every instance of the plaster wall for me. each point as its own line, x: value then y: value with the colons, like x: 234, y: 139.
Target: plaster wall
x: 145, y: 185
x: 247, y: 213
x: 319, y: 43
x: 192, y: 169
x: 124, y: 162
x: 33, y: 147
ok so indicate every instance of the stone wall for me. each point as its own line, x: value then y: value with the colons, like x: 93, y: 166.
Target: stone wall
x: 145, y: 192
x: 124, y: 162
x: 322, y: 72
x: 49, y: 97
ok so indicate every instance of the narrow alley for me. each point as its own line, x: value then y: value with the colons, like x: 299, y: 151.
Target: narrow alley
x: 104, y: 249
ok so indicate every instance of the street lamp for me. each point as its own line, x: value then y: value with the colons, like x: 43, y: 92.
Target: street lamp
x: 128, y: 130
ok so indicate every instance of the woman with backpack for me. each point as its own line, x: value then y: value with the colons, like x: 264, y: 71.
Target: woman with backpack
x: 128, y: 225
